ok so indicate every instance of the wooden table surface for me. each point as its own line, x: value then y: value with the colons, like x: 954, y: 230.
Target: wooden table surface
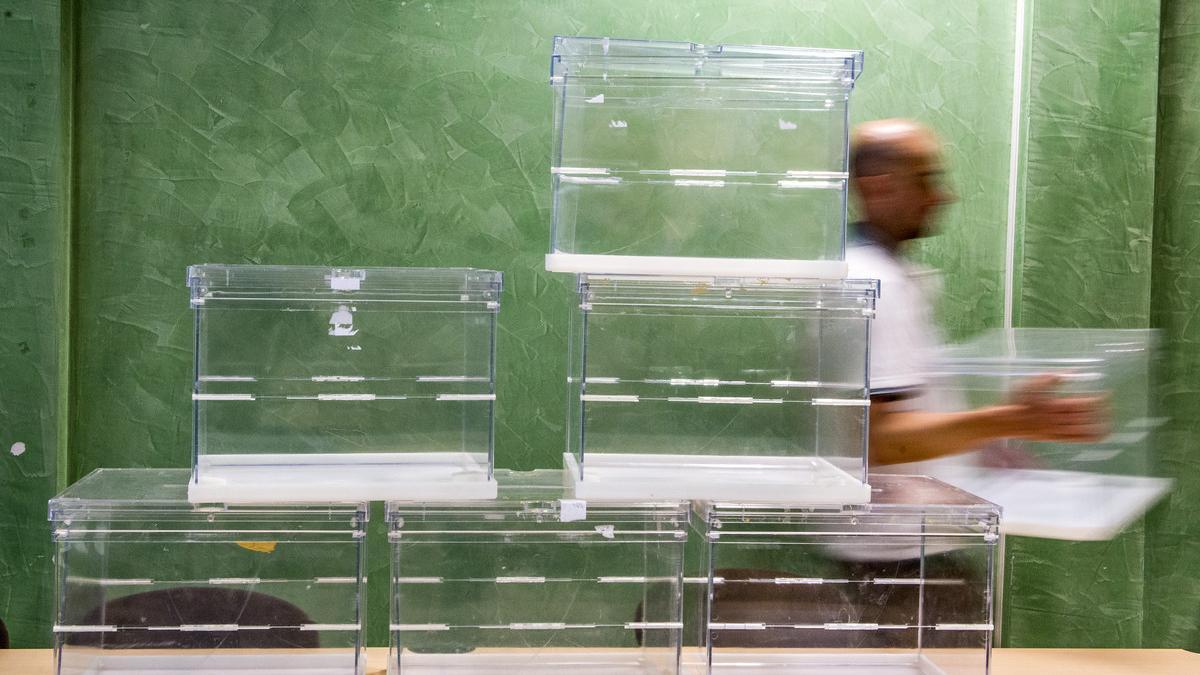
x: 1004, y: 662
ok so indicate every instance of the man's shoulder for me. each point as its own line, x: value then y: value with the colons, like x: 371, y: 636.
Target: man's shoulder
x: 870, y: 261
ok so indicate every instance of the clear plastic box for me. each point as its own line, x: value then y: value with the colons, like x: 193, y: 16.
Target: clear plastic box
x: 900, y: 586
x: 1061, y: 490
x: 535, y: 582
x: 319, y: 384
x: 720, y: 388
x: 150, y: 583
x: 679, y: 158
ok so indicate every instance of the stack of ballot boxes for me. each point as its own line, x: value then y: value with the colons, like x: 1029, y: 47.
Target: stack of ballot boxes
x: 714, y: 511
x: 719, y: 354
x: 717, y: 349
x: 315, y: 391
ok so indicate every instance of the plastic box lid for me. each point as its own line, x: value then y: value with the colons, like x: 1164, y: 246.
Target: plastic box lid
x: 395, y: 284
x: 539, y: 495
x: 106, y: 494
x: 1074, y: 353
x: 893, y: 496
x: 730, y: 292
x: 623, y: 58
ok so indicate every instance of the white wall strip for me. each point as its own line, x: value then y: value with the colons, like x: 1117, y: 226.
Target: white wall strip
x: 1014, y: 163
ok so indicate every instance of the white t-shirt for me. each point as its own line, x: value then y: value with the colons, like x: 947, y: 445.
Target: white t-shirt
x: 904, y: 339
x: 903, y: 336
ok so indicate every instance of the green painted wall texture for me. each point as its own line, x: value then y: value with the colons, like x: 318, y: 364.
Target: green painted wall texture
x: 1173, y: 530
x: 418, y: 134
x: 415, y: 134
x: 1089, y: 219
x: 33, y: 262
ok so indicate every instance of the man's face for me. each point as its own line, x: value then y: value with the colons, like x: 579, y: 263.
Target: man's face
x: 916, y: 191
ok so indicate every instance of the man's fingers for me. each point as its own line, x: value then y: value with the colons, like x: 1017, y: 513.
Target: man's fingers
x: 1039, y: 384
x: 1077, y: 433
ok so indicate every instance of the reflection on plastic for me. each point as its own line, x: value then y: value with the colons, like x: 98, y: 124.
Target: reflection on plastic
x: 1063, y: 490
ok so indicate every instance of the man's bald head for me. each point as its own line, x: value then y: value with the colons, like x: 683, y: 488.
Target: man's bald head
x: 876, y: 146
x: 895, y: 168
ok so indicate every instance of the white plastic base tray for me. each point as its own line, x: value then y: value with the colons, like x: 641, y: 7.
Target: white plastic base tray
x: 248, y: 479
x: 849, y: 662
x: 81, y: 661
x: 614, y: 662
x: 792, y: 480
x: 1069, y: 505
x: 522, y: 661
x: 581, y: 263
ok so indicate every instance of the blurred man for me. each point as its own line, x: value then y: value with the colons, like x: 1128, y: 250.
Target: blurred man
x: 896, y: 172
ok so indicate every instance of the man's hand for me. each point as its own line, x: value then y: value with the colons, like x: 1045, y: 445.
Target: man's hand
x: 1036, y: 411
x: 1001, y: 454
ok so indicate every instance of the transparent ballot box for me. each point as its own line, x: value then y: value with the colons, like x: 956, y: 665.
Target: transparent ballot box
x: 719, y: 388
x: 535, y: 582
x: 900, y: 586
x: 1076, y: 491
x: 679, y: 158
x: 149, y: 583
x: 319, y: 384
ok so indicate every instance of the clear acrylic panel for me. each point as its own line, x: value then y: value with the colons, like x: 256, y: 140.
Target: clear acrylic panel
x: 320, y: 383
x: 148, y: 582
x: 701, y: 154
x: 1056, y: 489
x: 536, y: 583
x: 707, y: 388
x: 900, y: 586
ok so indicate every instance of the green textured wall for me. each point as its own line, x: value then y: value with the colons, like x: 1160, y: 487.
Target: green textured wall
x: 418, y: 133
x: 33, y: 262
x: 389, y: 133
x: 1087, y: 231
x: 1173, y: 530
x: 385, y: 133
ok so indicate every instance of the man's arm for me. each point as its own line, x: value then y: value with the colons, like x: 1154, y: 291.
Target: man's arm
x: 1034, y: 412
